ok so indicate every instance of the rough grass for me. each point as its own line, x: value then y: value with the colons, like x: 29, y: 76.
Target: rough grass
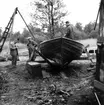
x: 20, y: 89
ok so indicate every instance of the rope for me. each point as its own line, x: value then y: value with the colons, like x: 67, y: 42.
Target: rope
x: 97, y: 98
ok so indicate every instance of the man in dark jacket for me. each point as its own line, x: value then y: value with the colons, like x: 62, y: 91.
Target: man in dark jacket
x: 69, y: 30
x: 14, y: 53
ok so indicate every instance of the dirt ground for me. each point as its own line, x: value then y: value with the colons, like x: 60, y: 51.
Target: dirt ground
x: 73, y: 87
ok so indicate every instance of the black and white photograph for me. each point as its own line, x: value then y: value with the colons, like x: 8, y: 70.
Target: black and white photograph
x: 52, y: 52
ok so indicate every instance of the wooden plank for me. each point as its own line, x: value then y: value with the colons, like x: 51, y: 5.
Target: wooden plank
x: 98, y: 85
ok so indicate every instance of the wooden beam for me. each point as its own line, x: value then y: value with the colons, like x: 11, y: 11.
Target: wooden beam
x: 99, y: 85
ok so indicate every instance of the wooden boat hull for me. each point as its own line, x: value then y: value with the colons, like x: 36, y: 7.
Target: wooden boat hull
x: 61, y: 50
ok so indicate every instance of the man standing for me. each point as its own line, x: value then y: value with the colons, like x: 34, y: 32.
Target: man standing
x: 14, y: 53
x: 31, y: 45
x: 69, y: 30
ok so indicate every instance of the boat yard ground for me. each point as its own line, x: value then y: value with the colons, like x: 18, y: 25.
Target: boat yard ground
x: 72, y: 87
x: 18, y: 88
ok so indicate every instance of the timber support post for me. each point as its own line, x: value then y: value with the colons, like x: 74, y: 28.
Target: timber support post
x: 99, y: 56
x: 99, y: 74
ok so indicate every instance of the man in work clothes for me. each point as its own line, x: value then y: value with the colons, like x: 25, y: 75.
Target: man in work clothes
x: 69, y: 30
x: 14, y: 53
x: 31, y: 45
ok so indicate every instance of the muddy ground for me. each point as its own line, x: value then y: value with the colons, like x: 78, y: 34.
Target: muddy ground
x: 75, y: 88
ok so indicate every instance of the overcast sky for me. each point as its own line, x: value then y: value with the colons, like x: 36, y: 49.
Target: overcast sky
x: 83, y: 11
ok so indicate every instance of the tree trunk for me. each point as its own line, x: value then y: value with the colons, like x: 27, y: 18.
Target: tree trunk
x: 52, y: 20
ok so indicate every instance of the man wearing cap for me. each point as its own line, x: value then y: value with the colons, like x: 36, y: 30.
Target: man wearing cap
x: 69, y: 30
x: 30, y: 45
